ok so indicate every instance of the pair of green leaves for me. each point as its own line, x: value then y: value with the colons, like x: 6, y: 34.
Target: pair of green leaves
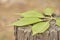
x: 34, y: 16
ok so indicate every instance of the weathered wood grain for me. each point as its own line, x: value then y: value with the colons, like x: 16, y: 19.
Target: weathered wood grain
x: 24, y: 33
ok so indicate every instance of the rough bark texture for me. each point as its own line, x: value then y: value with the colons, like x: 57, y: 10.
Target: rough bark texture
x: 24, y: 33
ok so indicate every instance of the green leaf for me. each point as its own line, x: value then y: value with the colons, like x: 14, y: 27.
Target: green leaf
x: 40, y: 27
x: 48, y: 11
x: 32, y: 13
x: 26, y: 21
x: 58, y: 21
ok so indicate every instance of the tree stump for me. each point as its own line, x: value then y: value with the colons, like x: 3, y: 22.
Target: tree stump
x: 24, y: 33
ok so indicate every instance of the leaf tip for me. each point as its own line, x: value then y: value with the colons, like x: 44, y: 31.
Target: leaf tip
x: 48, y: 11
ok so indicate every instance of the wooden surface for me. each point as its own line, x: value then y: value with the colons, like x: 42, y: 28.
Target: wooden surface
x: 10, y: 11
x: 24, y: 33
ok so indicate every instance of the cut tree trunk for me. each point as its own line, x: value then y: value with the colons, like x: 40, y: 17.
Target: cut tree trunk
x: 24, y: 33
